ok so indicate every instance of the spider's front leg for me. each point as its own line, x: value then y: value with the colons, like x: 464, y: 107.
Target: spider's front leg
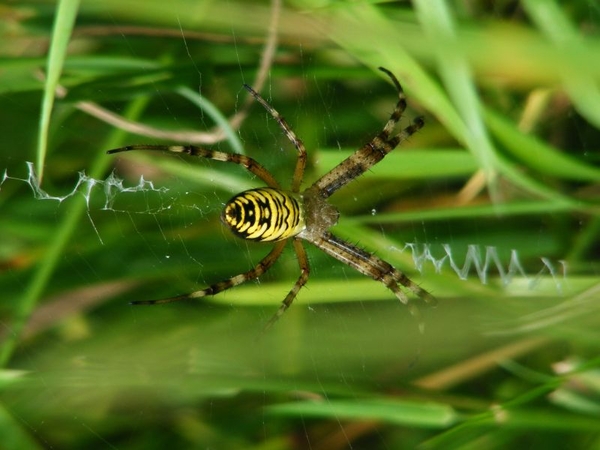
x: 372, y: 152
x: 374, y: 267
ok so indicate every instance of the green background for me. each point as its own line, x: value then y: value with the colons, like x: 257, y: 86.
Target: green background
x: 505, y: 171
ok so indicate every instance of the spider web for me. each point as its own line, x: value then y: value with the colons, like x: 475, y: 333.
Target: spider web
x: 488, y: 263
x: 85, y: 186
x: 482, y: 261
x: 107, y: 190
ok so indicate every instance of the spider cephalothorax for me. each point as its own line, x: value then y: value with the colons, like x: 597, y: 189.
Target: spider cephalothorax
x: 271, y: 214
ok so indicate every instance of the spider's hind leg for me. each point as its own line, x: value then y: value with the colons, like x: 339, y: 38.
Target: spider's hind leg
x: 295, y: 140
x: 264, y: 265
x: 302, y: 279
x: 250, y: 164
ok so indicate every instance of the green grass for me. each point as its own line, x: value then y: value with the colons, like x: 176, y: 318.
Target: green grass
x: 508, y: 159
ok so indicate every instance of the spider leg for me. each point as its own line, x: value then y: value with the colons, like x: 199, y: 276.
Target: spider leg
x: 264, y: 265
x: 302, y: 279
x: 374, y: 267
x: 301, y: 161
x: 372, y: 152
x: 250, y: 164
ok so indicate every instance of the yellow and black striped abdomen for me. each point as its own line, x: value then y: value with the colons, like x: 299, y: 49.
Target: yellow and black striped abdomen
x: 264, y: 214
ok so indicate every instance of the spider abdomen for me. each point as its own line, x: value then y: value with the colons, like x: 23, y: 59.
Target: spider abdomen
x: 264, y: 214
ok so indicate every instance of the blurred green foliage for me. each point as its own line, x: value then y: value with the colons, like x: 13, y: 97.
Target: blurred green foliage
x: 505, y: 171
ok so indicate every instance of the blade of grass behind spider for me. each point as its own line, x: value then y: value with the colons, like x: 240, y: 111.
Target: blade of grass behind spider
x: 64, y: 232
x: 61, y: 34
x: 220, y: 120
x: 454, y: 68
x: 581, y: 87
x: 423, y: 87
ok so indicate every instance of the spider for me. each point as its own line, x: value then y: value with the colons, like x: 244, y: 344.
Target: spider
x: 271, y: 214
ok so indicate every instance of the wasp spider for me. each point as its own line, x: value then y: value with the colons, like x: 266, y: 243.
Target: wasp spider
x: 271, y: 214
